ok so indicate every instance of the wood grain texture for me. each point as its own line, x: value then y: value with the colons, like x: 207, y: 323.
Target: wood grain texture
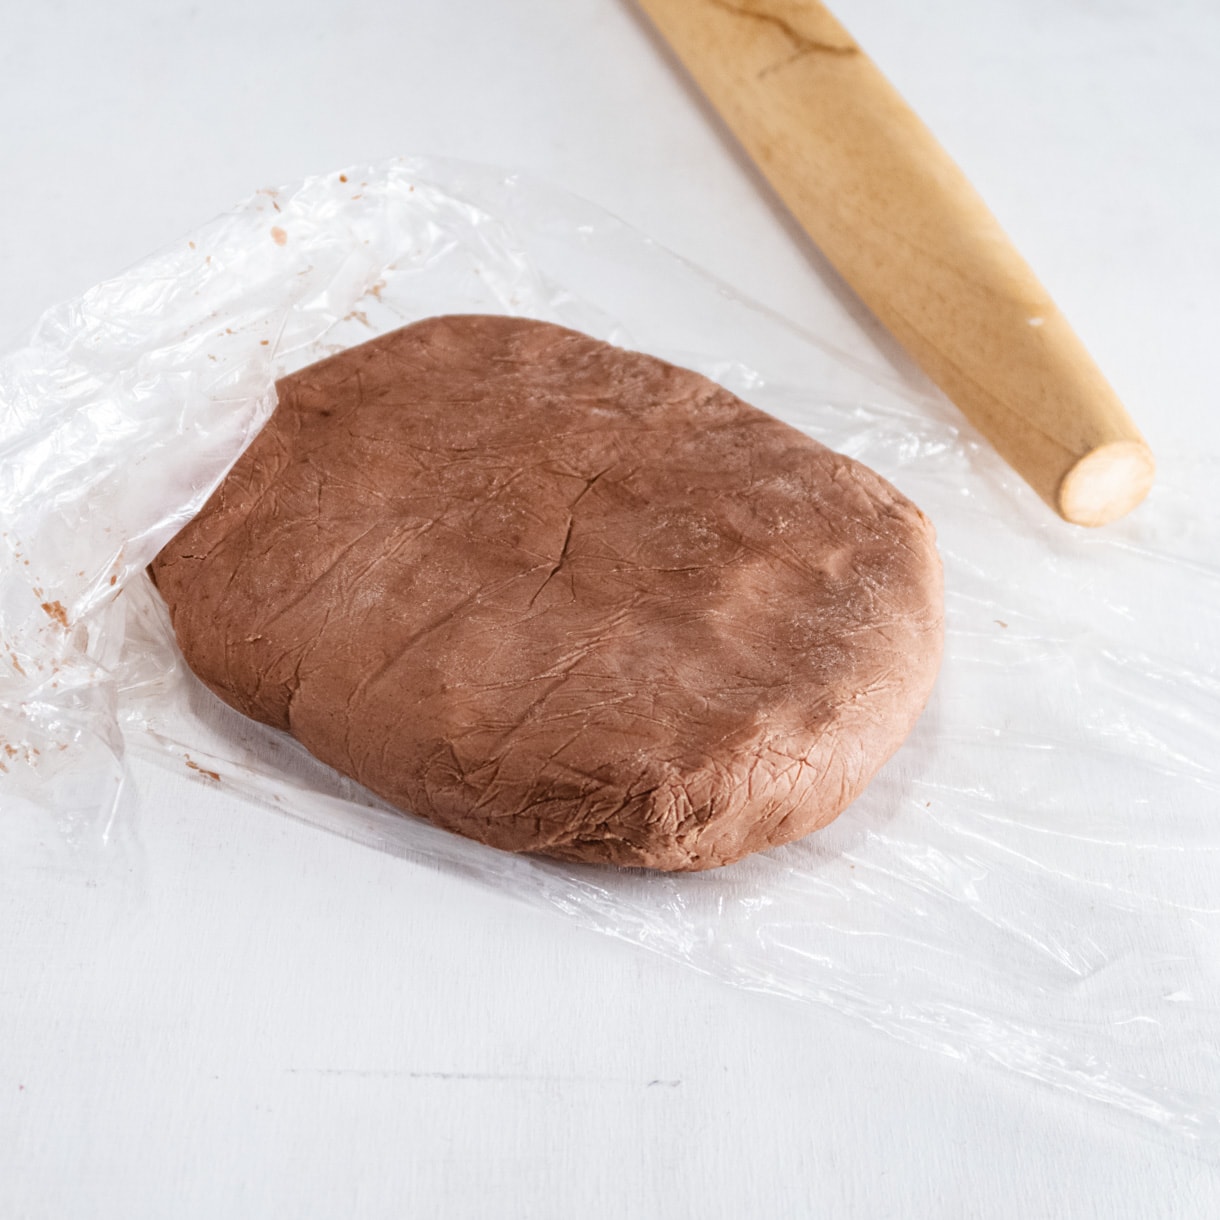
x: 899, y: 220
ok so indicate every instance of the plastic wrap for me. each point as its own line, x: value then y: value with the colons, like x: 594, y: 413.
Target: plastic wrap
x: 1030, y: 883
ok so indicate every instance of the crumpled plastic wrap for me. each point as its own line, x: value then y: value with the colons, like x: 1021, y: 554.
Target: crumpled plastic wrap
x: 1031, y: 882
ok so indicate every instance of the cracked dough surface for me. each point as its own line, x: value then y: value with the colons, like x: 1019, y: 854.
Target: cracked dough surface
x: 561, y: 597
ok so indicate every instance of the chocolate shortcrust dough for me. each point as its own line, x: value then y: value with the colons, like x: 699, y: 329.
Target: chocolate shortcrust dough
x: 561, y: 597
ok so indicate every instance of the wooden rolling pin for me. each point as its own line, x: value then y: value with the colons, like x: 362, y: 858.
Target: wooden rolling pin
x: 900, y: 222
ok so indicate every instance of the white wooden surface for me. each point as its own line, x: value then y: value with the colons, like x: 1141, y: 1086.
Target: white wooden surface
x: 238, y: 1016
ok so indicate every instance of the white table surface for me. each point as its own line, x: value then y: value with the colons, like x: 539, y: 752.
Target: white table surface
x: 241, y: 1016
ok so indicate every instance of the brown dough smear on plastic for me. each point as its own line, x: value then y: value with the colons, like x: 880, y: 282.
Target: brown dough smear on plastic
x: 561, y: 597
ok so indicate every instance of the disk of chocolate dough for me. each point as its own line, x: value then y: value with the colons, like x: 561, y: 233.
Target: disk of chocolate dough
x: 561, y: 597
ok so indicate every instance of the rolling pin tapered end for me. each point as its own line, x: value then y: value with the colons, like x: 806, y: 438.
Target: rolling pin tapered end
x: 1107, y: 483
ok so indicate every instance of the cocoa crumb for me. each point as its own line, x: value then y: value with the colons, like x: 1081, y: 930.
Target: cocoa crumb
x: 56, y: 611
x: 194, y: 766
